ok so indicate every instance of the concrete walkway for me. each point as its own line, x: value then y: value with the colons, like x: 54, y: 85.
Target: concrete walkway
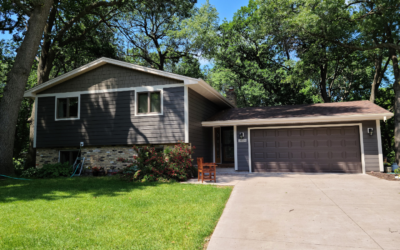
x: 309, y: 211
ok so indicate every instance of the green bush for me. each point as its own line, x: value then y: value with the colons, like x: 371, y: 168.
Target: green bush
x: 49, y: 171
x: 149, y: 165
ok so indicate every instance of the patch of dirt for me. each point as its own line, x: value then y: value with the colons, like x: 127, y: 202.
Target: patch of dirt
x: 385, y: 176
x: 206, y: 240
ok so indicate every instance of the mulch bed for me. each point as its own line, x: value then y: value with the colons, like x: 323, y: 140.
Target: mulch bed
x: 385, y: 176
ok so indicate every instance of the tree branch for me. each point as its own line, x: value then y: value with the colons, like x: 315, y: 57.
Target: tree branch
x: 22, y: 7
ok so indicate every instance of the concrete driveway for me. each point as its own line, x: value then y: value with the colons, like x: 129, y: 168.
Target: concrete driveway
x: 309, y: 211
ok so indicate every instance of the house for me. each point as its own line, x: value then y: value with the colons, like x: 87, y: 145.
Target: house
x: 109, y: 105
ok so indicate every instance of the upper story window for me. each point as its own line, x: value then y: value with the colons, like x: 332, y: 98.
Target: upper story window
x: 149, y: 103
x: 67, y: 108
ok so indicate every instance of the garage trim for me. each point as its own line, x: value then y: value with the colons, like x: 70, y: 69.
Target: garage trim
x: 313, y: 126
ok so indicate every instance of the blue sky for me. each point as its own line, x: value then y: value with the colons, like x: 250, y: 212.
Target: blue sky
x: 225, y: 8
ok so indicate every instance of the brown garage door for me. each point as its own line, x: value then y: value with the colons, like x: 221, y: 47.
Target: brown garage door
x: 324, y: 149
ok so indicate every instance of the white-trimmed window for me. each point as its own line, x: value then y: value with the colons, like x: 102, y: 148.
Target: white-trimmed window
x: 67, y: 108
x: 149, y: 103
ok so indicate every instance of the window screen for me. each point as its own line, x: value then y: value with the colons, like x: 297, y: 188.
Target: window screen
x: 67, y: 107
x: 143, y: 103
x: 155, y: 102
x: 149, y: 102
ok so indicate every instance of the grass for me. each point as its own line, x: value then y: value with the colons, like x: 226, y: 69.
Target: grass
x: 107, y: 213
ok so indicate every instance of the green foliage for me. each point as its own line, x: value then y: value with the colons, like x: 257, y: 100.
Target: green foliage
x: 250, y: 59
x: 49, y: 171
x: 149, y: 165
x: 385, y: 99
x: 188, y: 66
x: 160, y: 33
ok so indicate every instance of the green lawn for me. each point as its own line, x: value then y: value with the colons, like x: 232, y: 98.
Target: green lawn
x: 107, y: 213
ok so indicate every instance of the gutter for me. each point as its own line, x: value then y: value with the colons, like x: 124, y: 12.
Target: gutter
x: 319, y: 119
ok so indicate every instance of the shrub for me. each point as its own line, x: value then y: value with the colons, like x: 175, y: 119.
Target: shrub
x: 49, y: 171
x: 149, y: 165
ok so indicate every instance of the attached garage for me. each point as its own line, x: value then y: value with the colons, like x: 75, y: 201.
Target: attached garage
x: 340, y: 137
x: 309, y: 149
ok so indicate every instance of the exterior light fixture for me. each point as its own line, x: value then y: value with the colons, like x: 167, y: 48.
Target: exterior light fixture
x: 241, y: 135
x: 370, y: 131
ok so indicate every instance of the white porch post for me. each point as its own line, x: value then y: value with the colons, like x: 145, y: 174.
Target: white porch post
x: 235, y: 149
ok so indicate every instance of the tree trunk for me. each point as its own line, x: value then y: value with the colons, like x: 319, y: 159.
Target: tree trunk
x: 375, y: 82
x: 31, y: 156
x: 379, y: 73
x: 16, y: 83
x: 322, y: 84
x: 46, y: 60
x: 396, y: 87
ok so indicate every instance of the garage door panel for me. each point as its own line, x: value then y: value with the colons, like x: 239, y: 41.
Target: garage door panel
x: 282, y: 133
x: 351, y: 143
x: 350, y: 131
x: 258, y: 133
x: 296, y: 144
x: 269, y: 133
x: 309, y: 143
x: 336, y: 132
x: 258, y: 156
x: 283, y: 155
x: 321, y: 132
x: 308, y: 132
x: 335, y: 149
x: 295, y: 133
x: 337, y: 143
x: 296, y: 155
x: 270, y: 144
x: 322, y: 143
x: 283, y: 144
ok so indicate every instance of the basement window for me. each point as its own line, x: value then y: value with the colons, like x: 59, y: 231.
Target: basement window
x: 67, y: 108
x: 68, y: 156
x: 148, y: 103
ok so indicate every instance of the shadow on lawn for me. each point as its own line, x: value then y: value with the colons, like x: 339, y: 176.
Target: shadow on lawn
x: 62, y: 188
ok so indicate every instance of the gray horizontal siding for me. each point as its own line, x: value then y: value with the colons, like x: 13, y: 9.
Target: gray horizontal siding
x: 200, y: 109
x: 109, y: 77
x: 371, y: 152
x: 108, y: 119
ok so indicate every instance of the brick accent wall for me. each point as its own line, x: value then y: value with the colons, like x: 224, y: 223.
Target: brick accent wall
x: 104, y: 156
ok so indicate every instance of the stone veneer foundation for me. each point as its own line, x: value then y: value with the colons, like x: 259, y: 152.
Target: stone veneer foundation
x: 102, y: 156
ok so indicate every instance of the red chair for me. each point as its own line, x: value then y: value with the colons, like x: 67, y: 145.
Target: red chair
x: 206, y: 171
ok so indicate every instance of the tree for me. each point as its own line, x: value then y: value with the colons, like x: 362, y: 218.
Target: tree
x: 359, y: 26
x: 70, y: 27
x: 37, y: 11
x: 386, y: 98
x: 71, y: 22
x: 255, y: 57
x: 162, y: 32
x: 188, y: 66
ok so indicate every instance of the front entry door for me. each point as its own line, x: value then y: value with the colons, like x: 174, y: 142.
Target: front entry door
x: 227, y: 145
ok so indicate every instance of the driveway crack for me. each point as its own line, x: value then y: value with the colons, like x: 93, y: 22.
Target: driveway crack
x: 346, y: 214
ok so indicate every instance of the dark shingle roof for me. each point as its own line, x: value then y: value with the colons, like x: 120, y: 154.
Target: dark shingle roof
x: 305, y: 110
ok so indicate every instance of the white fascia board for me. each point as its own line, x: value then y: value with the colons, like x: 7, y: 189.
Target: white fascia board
x: 215, y: 93
x: 297, y: 120
x: 99, y: 62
